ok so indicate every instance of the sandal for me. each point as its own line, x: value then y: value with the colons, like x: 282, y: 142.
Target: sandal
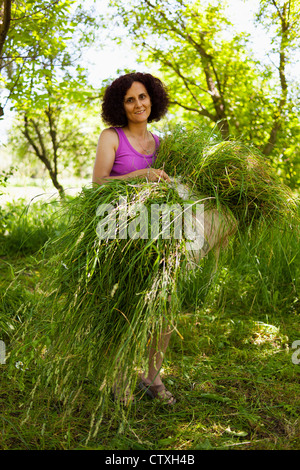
x: 158, y: 391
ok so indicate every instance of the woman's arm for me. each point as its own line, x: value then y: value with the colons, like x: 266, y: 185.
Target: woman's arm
x: 105, y: 154
x: 105, y: 157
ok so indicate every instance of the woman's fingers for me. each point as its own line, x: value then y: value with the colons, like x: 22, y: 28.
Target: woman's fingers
x: 156, y: 175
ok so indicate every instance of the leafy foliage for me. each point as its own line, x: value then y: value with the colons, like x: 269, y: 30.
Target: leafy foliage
x: 45, y: 80
x: 39, y: 55
x: 192, y: 44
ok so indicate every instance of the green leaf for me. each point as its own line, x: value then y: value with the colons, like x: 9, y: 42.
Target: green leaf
x: 215, y: 397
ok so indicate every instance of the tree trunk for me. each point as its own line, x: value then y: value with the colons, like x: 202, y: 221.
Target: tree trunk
x: 211, y: 77
x: 4, y: 25
x: 278, y: 114
x: 41, y: 153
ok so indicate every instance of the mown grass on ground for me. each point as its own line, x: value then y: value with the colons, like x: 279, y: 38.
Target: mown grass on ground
x: 235, y: 374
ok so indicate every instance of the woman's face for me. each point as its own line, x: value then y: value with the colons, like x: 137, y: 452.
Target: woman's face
x: 137, y: 103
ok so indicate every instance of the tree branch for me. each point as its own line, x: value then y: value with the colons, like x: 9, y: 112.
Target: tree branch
x: 278, y: 9
x: 202, y: 111
x: 41, y: 153
x: 52, y: 133
x: 36, y: 11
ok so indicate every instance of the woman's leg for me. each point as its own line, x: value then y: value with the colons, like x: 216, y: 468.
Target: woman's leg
x: 153, y: 380
x: 157, y: 351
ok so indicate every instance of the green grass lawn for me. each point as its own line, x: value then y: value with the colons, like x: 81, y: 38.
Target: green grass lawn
x: 234, y: 371
x: 232, y: 374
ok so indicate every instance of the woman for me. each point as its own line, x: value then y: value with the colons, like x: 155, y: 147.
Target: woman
x: 127, y: 150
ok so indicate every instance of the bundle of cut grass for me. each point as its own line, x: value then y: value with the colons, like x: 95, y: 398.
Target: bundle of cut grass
x: 234, y: 175
x: 114, y: 285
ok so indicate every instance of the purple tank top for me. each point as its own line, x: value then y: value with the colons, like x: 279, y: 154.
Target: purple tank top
x: 128, y: 159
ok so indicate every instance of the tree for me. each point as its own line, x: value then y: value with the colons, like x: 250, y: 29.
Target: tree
x: 282, y: 17
x: 177, y: 36
x: 187, y: 41
x: 46, y: 39
x: 42, y: 72
x: 211, y: 72
x: 62, y: 137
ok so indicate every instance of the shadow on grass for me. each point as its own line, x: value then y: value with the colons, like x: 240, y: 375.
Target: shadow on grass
x: 236, y: 388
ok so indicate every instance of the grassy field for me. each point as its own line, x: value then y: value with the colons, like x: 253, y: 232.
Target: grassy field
x: 235, y: 373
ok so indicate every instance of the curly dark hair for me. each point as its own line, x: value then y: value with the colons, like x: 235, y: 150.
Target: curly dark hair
x: 113, y: 112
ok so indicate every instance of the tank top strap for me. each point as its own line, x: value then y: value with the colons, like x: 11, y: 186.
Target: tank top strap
x: 121, y: 135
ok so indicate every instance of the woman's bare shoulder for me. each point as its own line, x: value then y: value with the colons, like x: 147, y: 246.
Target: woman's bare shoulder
x: 109, y: 133
x: 109, y: 136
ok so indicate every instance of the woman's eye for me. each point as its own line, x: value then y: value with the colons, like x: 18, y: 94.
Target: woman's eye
x: 131, y: 100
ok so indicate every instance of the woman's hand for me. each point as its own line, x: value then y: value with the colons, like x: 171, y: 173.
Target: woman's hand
x: 153, y: 174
